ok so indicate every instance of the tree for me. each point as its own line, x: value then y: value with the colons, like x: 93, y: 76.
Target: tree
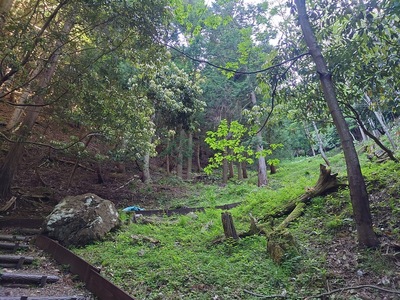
x: 173, y: 96
x: 262, y: 166
x: 227, y: 141
x: 52, y: 49
x: 358, y: 191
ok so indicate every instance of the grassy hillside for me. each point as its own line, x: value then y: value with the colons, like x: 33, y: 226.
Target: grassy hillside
x: 184, y: 257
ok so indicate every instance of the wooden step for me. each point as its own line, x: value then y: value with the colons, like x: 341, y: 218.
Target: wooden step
x: 15, y: 261
x: 28, y: 278
x: 44, y: 298
x: 12, y: 246
x: 14, y: 238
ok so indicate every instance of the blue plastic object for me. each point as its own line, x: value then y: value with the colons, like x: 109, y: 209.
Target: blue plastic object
x: 132, y: 208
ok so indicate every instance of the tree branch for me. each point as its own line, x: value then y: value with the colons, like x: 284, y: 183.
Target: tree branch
x: 353, y: 288
x: 369, y: 134
x: 236, y: 71
x: 49, y: 146
x: 283, y: 295
x: 274, y: 91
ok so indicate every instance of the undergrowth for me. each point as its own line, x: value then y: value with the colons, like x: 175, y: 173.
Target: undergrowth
x: 182, y: 257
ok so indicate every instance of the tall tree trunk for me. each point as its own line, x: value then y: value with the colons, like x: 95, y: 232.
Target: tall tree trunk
x: 231, y: 171
x: 244, y: 170
x: 320, y: 144
x: 381, y: 120
x: 15, y: 119
x: 363, y: 136
x: 179, y: 166
x: 146, y: 168
x: 190, y: 156
x: 71, y: 176
x: 225, y: 169
x: 167, y: 159
x: 309, y: 138
x: 375, y: 131
x: 262, y: 165
x: 240, y: 171
x: 358, y: 191
x: 199, y: 168
x: 11, y: 161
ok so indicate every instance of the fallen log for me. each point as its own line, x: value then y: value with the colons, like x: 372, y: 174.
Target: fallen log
x: 326, y: 183
x: 279, y: 241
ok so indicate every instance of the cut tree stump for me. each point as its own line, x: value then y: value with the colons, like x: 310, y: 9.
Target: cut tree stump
x: 229, y: 227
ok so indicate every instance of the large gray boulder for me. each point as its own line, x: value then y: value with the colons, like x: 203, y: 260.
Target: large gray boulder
x: 79, y: 220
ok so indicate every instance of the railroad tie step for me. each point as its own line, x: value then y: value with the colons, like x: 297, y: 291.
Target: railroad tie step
x: 44, y: 298
x: 13, y: 246
x: 28, y: 278
x: 15, y: 261
x: 14, y: 238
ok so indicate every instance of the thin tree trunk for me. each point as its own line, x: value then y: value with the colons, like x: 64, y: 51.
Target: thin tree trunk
x: 190, y: 156
x: 244, y: 170
x: 262, y: 165
x: 231, y: 172
x: 12, y: 124
x: 363, y: 136
x: 146, y: 168
x: 240, y: 171
x: 320, y: 144
x: 381, y: 120
x: 309, y: 138
x: 358, y: 191
x: 77, y: 163
x: 225, y: 167
x: 375, y: 132
x: 179, y: 166
x: 167, y: 159
x: 370, y: 135
x: 199, y: 168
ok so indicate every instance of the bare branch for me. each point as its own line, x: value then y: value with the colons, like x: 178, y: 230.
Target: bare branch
x: 236, y: 71
x: 354, y: 288
x: 50, y: 146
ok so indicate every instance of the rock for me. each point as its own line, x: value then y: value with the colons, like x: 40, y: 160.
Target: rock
x: 79, y: 220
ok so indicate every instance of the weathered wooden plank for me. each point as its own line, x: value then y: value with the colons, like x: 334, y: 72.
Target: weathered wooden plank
x: 15, y: 259
x: 9, y: 237
x: 44, y: 298
x: 28, y: 278
x: 12, y: 246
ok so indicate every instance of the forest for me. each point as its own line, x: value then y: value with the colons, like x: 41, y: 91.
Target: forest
x: 290, y: 108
